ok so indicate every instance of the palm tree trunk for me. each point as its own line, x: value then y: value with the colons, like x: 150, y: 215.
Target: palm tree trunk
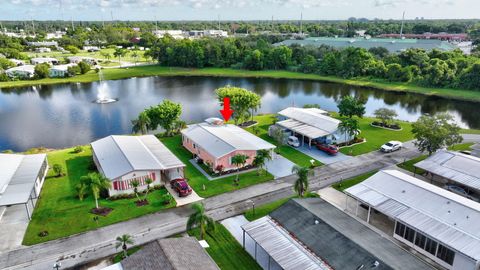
x: 125, y: 253
x: 96, y: 202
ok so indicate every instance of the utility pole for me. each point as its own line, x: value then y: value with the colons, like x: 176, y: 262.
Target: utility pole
x: 33, y: 26
x: 301, y: 23
x: 219, y: 22
x: 156, y: 24
x: 403, y: 21
x: 111, y: 15
x: 272, y: 25
x: 73, y: 26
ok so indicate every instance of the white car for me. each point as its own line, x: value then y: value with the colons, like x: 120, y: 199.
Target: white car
x: 391, y: 146
x: 293, y: 141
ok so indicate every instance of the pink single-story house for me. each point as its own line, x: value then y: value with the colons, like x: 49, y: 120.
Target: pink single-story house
x: 123, y: 159
x: 216, y: 143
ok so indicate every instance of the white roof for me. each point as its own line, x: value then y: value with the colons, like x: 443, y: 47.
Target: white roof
x: 44, y: 59
x: 24, y: 68
x: 281, y: 246
x: 219, y: 140
x: 458, y: 167
x: 62, y: 67
x: 445, y: 216
x: 311, y: 122
x: 119, y: 155
x: 18, y: 174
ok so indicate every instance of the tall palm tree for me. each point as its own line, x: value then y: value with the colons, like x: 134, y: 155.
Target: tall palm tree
x: 135, y: 184
x: 239, y: 161
x: 263, y: 156
x: 141, y: 123
x: 349, y: 126
x: 93, y: 182
x: 148, y: 181
x: 200, y: 220
x: 301, y: 184
x: 119, y: 52
x: 122, y: 241
x: 135, y: 56
x: 259, y: 162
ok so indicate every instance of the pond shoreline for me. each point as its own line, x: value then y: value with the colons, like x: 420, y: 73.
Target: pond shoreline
x: 155, y: 70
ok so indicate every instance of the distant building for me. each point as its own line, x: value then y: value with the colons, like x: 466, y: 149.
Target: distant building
x: 41, y: 60
x: 135, y: 40
x: 43, y: 44
x: 215, y: 33
x: 21, y: 72
x: 441, y: 36
x: 55, y: 35
x: 216, y: 143
x: 182, y: 253
x: 312, y: 124
x: 123, y: 159
x: 313, y: 234
x: 77, y: 59
x: 392, y: 45
x: 43, y: 50
x: 439, y: 224
x: 21, y: 179
x: 17, y: 62
x: 59, y: 71
x: 91, y: 48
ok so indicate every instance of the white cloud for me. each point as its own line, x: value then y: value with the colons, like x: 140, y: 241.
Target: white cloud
x: 393, y: 3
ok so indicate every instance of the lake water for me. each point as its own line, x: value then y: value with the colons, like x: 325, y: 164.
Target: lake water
x: 63, y: 115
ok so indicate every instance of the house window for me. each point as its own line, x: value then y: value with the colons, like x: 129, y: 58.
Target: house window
x: 431, y: 246
x: 400, y: 229
x: 445, y: 254
x: 420, y: 240
x: 409, y: 234
x: 194, y: 146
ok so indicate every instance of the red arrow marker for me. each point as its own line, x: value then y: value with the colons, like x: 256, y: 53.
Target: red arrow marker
x: 226, y: 112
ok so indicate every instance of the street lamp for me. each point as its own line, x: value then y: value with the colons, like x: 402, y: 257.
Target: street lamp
x: 57, y: 266
x: 253, y: 205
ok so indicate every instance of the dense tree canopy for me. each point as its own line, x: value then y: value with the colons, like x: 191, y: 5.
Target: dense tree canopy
x: 242, y: 101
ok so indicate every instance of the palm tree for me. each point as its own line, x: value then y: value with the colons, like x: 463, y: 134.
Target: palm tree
x: 135, y: 184
x: 141, y: 123
x: 93, y: 182
x: 122, y: 241
x: 106, y: 55
x: 239, y: 161
x: 258, y: 161
x: 119, y: 52
x: 148, y: 181
x: 349, y: 126
x: 301, y: 184
x: 200, y: 220
x: 261, y: 158
x: 135, y: 56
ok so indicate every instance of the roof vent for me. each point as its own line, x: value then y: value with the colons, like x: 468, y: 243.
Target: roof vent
x: 403, y: 191
x: 316, y: 222
x: 448, y: 211
x: 468, y: 217
x: 375, y: 264
x: 448, y: 202
x: 214, y: 121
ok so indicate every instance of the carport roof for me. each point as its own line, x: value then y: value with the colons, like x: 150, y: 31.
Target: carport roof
x: 311, y: 122
x: 458, y: 167
x: 119, y: 155
x: 18, y: 174
x: 438, y: 213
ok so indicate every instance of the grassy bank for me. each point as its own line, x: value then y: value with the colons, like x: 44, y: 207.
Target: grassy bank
x: 154, y: 70
x: 61, y: 213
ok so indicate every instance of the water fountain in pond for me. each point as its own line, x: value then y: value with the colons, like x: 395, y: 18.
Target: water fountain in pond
x: 103, y: 92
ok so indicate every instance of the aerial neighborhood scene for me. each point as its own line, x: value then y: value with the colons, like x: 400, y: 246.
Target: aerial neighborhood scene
x: 239, y: 135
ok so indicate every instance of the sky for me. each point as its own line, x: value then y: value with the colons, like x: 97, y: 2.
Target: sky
x: 235, y: 9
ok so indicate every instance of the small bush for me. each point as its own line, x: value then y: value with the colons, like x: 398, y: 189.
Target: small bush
x: 78, y: 149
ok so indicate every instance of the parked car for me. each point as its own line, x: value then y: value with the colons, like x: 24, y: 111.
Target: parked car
x: 181, y: 186
x: 460, y: 191
x: 391, y: 146
x: 328, y: 148
x: 293, y: 141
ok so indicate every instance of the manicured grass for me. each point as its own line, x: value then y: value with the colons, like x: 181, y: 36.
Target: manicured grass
x: 61, y: 213
x: 155, y: 70
x: 341, y: 186
x: 461, y: 147
x: 470, y: 131
x: 226, y: 251
x: 200, y: 183
x: 119, y: 256
x: 408, y: 165
x: 376, y: 136
x: 264, y: 209
x: 290, y: 153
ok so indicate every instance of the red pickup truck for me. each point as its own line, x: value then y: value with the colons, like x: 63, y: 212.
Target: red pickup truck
x: 328, y: 148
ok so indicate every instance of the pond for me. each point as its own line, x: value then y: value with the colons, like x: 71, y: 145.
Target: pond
x: 63, y: 115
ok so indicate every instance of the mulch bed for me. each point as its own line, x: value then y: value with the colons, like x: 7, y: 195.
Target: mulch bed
x: 141, y: 202
x: 101, y: 211
x: 248, y: 124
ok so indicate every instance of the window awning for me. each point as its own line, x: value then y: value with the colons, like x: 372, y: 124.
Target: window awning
x: 303, y: 129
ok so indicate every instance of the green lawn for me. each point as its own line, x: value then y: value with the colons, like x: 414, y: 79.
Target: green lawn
x: 198, y: 181
x: 408, y: 165
x: 264, y: 209
x: 155, y: 70
x: 341, y: 186
x: 376, y: 136
x: 461, y: 147
x: 98, y: 55
x: 226, y: 251
x: 119, y: 256
x: 61, y: 213
x: 290, y: 153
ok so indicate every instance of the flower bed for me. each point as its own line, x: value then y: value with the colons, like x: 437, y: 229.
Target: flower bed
x: 352, y: 142
x: 386, y: 126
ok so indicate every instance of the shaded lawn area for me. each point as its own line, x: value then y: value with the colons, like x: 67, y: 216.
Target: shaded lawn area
x: 290, y: 153
x: 376, y: 136
x: 408, y: 165
x: 198, y: 181
x: 61, y: 213
x: 341, y: 186
x: 264, y: 209
x: 226, y: 251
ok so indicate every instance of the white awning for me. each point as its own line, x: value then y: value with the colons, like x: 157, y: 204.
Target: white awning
x: 304, y: 129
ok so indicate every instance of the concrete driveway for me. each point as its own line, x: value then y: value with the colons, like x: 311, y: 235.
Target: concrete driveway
x: 279, y: 166
x: 322, y: 156
x: 183, y: 200
x: 13, y: 224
